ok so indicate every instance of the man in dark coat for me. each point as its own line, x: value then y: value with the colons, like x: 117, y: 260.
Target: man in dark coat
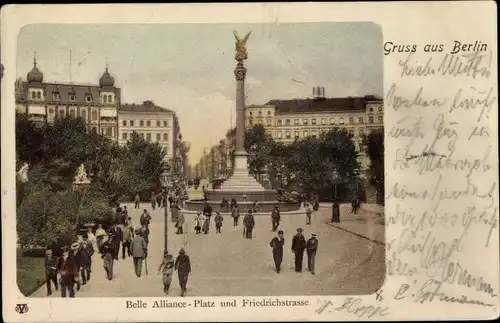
x: 298, y: 246
x: 117, y: 240
x: 139, y: 251
x: 207, y: 212
x: 145, y: 218
x: 108, y: 250
x: 277, y: 245
x: 311, y: 248
x: 144, y: 232
x: 68, y: 272
x: 249, y: 223
x: 275, y: 218
x: 86, y: 251
x: 183, y: 267
x: 50, y: 272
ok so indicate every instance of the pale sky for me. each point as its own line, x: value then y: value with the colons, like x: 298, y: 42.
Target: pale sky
x: 188, y: 68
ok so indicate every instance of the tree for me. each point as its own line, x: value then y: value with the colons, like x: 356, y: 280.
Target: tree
x: 375, y: 151
x: 259, y: 146
x: 29, y: 141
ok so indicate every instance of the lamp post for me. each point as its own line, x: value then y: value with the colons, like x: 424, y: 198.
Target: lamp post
x: 335, y: 176
x: 335, y: 205
x: 165, y: 181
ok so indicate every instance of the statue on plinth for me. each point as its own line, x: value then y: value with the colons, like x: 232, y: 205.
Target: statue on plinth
x: 22, y: 173
x: 81, y: 175
x: 241, y: 50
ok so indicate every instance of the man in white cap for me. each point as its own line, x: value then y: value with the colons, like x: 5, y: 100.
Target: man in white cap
x: 311, y: 247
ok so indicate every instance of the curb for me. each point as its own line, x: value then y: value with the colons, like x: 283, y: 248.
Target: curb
x: 356, y: 234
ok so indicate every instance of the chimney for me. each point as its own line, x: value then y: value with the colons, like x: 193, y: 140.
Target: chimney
x: 318, y: 92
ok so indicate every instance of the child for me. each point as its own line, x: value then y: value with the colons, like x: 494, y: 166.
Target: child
x: 168, y: 269
x: 218, y: 222
x: 198, y: 222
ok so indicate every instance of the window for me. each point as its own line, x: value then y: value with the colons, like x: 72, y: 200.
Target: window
x: 371, y: 109
x: 109, y: 131
x: 148, y: 137
x: 83, y: 114
x: 55, y: 96
x: 268, y: 113
x: 259, y: 121
x: 165, y: 149
x: 61, y: 113
x: 370, y: 119
x: 351, y: 133
x: 250, y: 121
x: 351, y: 120
x: 305, y: 122
x: 278, y: 134
x: 287, y: 135
x: 165, y: 123
x: 38, y: 95
x: 305, y: 133
x: 158, y: 123
x: 141, y: 135
x: 141, y: 123
x: 110, y: 98
x: 361, y: 132
x: 332, y: 120
x: 314, y: 134
x: 296, y: 122
x: 323, y: 121
x: 360, y: 120
x: 269, y: 121
x: 380, y: 108
x: 280, y: 122
x: 260, y: 113
x: 341, y: 120
x: 33, y: 95
x: 124, y: 123
x: 72, y: 97
x: 88, y: 98
x: 124, y: 136
x: 287, y: 122
x: 72, y: 113
x: 148, y: 123
x: 313, y: 121
x: 105, y: 99
x: 94, y: 115
x: 250, y: 113
x: 380, y: 119
x: 296, y: 135
x: 165, y: 136
x: 158, y: 137
x: 131, y: 123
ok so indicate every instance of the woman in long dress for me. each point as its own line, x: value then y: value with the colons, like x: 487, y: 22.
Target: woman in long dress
x: 92, y: 239
x: 206, y: 224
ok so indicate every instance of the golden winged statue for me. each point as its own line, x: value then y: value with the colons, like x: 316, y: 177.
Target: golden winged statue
x: 241, y: 50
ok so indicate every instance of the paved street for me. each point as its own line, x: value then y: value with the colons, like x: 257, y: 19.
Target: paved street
x: 226, y: 264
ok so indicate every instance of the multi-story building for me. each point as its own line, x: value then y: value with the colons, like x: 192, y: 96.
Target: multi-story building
x: 151, y: 122
x: 46, y: 101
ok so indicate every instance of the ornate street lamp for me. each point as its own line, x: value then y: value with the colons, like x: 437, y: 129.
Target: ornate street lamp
x: 165, y: 183
x: 335, y: 176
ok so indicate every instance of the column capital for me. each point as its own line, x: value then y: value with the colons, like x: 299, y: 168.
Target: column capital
x: 240, y: 72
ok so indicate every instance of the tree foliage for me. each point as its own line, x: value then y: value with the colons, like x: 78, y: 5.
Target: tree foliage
x: 375, y: 151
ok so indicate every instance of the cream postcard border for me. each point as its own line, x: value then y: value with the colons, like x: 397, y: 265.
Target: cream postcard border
x: 403, y: 23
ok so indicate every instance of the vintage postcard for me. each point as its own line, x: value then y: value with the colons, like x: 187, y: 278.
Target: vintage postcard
x: 250, y: 162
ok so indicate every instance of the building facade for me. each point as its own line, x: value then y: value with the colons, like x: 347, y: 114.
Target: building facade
x: 150, y: 122
x: 46, y: 101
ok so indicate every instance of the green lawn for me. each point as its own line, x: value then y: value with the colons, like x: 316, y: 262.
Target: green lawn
x: 30, y: 270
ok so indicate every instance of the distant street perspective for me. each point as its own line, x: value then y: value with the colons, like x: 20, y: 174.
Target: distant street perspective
x: 116, y: 199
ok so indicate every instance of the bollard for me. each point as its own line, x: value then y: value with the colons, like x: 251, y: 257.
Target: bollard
x: 335, y: 212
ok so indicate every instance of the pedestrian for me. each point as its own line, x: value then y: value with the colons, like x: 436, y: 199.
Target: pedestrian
x: 235, y: 213
x: 223, y: 204
x: 298, y: 246
x: 92, y: 239
x: 180, y: 223
x: 87, y: 251
x: 218, y: 222
x: 128, y: 234
x: 277, y: 244
x: 137, y: 201
x: 198, y: 221
x: 68, y: 273
x: 100, y: 234
x: 153, y: 200
x: 249, y: 223
x: 233, y: 203
x: 125, y: 213
x: 117, y: 240
x: 316, y: 205
x: 354, y: 205
x: 170, y: 199
x: 139, y: 249
x: 311, y: 248
x: 309, y: 212
x: 108, y: 250
x: 168, y: 269
x: 50, y: 272
x: 145, y: 233
x: 145, y: 218
x: 206, y: 225
x: 255, y: 207
x: 207, y: 211
x: 183, y: 267
x: 275, y: 218
x: 78, y: 257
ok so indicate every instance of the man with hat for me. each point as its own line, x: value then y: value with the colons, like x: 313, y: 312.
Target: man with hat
x: 311, y: 247
x: 139, y: 249
x: 298, y: 247
x: 277, y: 245
x: 275, y: 218
x: 183, y: 267
x: 168, y: 269
x: 77, y: 256
x: 68, y: 272
x: 108, y: 250
x: 50, y: 271
x: 249, y: 223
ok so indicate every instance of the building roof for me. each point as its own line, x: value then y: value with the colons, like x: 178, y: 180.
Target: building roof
x: 318, y: 105
x: 65, y: 89
x: 145, y: 107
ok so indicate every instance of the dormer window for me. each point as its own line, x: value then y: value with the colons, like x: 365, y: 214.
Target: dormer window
x: 105, y: 99
x: 72, y: 97
x: 39, y: 95
x: 110, y: 98
x: 88, y: 98
x: 55, y: 96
